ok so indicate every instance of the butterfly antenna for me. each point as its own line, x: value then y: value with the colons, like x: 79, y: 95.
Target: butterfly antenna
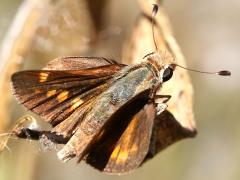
x: 220, y: 73
x: 154, y: 12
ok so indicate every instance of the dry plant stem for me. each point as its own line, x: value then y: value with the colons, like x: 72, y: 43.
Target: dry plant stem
x: 37, y: 32
x: 14, y: 47
x: 20, y: 43
x: 96, y: 8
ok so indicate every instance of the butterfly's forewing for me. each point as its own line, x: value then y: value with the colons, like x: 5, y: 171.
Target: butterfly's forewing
x: 123, y: 90
x: 124, y: 146
x: 77, y: 63
x: 57, y: 93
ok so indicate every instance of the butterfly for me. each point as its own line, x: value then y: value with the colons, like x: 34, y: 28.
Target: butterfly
x: 103, y: 112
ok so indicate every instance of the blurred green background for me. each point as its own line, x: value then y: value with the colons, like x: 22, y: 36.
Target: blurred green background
x: 208, y: 33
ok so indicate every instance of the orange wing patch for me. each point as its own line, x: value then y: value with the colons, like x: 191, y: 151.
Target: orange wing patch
x: 132, y: 147
x: 62, y: 96
x: 122, y: 151
x: 43, y: 77
x: 76, y: 103
x: 51, y: 93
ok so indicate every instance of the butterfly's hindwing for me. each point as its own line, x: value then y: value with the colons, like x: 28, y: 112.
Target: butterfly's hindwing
x: 123, y: 145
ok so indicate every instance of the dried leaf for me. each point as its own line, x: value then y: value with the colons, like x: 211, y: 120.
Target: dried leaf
x: 178, y: 122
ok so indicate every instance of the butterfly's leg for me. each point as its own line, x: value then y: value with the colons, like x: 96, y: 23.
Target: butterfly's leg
x: 165, y: 97
x: 161, y: 106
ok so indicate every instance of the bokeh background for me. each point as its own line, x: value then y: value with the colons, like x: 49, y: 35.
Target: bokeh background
x: 208, y: 33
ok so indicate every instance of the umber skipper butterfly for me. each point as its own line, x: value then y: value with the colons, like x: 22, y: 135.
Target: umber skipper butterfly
x: 102, y: 111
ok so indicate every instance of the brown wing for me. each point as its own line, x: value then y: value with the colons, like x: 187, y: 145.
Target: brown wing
x: 76, y: 63
x: 55, y: 95
x: 124, y: 147
x: 131, y: 83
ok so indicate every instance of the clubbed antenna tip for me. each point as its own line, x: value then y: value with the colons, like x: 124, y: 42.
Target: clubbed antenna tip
x: 224, y: 73
x: 155, y: 10
x: 220, y: 73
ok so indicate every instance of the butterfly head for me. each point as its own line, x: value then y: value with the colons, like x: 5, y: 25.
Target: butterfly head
x: 163, y: 66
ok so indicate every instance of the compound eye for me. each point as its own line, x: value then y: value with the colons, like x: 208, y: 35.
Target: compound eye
x: 167, y: 74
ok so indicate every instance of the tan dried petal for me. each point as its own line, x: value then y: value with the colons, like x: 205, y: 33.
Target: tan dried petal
x: 178, y: 122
